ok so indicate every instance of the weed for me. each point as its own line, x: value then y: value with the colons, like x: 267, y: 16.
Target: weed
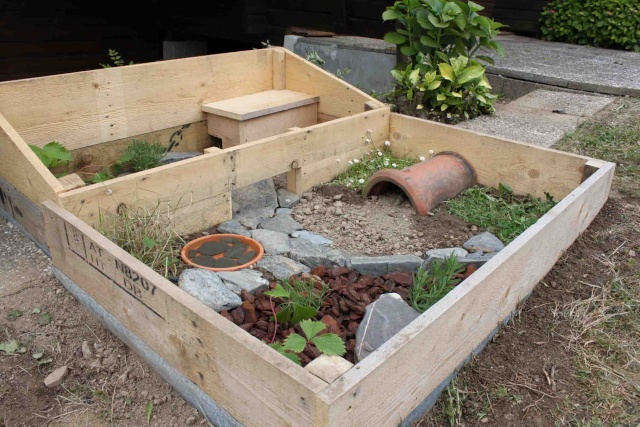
x: 300, y: 299
x: 360, y: 170
x: 140, y: 155
x: 618, y: 143
x: 502, y: 213
x: 116, y: 60
x: 429, y: 287
x: 13, y: 315
x: 52, y: 155
x: 147, y: 235
x: 314, y: 57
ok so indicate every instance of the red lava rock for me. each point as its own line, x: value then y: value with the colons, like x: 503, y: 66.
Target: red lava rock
x: 262, y: 325
x: 319, y: 271
x: 247, y: 296
x: 260, y: 334
x: 263, y: 304
x: 337, y: 272
x: 343, y: 306
x: 311, y: 351
x: 401, y: 279
x: 353, y: 327
x: 365, y: 281
x: 247, y: 326
x: 353, y: 276
x: 238, y: 316
x: 389, y: 285
x: 332, y: 324
x: 249, y: 311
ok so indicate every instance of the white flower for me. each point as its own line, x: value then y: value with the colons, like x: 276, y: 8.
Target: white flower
x: 422, y: 158
x: 356, y: 161
x: 393, y: 164
x: 350, y: 162
x: 361, y: 181
x: 387, y: 143
x: 348, y: 184
x: 419, y: 107
x: 337, y: 160
x: 430, y: 153
x: 380, y: 153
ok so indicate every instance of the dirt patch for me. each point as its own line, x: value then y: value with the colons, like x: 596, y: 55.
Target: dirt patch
x: 384, y: 225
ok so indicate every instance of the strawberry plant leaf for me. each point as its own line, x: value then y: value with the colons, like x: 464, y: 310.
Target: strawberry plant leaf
x: 295, y: 343
x: 12, y: 347
x: 311, y: 328
x: 277, y: 292
x: 301, y: 312
x: 45, y: 318
x: 293, y: 357
x: 329, y: 344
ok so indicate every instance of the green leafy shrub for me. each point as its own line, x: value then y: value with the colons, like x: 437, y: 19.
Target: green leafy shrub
x: 603, y: 23
x: 437, y: 37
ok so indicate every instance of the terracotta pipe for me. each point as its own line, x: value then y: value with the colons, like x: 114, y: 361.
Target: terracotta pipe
x: 427, y: 183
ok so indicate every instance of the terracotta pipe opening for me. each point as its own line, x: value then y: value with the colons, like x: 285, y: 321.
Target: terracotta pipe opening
x: 427, y: 183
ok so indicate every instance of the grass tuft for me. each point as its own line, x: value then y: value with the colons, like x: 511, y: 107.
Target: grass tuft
x: 499, y: 212
x: 147, y: 235
x: 431, y: 286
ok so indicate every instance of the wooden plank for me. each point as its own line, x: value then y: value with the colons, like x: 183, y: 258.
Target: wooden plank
x: 259, y: 104
x: 71, y: 182
x: 98, y: 106
x: 421, y: 356
x: 235, y: 369
x: 211, y: 174
x: 279, y: 75
x: 337, y: 98
x: 526, y: 168
x: 94, y: 158
x: 21, y: 168
x: 23, y: 211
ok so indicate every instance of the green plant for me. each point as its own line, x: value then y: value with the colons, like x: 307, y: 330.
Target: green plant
x: 442, y: 41
x: 116, y: 59
x: 300, y: 299
x: 328, y: 343
x: 431, y: 286
x: 313, y: 56
x: 604, y: 23
x: 140, y: 155
x: 360, y: 170
x: 500, y: 212
x: 147, y: 235
x: 52, y: 154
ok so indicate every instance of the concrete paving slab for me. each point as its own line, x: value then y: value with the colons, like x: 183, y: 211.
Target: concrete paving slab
x: 568, y: 65
x: 541, y: 118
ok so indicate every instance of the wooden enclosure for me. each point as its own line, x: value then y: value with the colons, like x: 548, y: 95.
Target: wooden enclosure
x: 96, y: 113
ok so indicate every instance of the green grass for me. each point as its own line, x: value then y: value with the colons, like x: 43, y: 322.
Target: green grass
x: 614, y: 142
x: 499, y: 212
x: 431, y: 286
x: 361, y: 169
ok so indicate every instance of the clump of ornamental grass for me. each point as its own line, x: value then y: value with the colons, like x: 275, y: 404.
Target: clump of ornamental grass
x: 147, y: 234
x: 360, y: 170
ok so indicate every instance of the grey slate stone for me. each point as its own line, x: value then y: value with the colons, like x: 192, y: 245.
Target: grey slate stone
x: 282, y: 223
x: 233, y: 227
x: 379, y: 265
x: 287, y: 199
x: 311, y: 237
x: 477, y: 258
x: 273, y: 242
x: 255, y: 202
x: 207, y: 287
x: 313, y: 255
x: 442, y: 254
x: 248, y: 279
x: 383, y: 318
x: 284, y: 211
x: 485, y: 242
x: 282, y: 267
x: 173, y: 157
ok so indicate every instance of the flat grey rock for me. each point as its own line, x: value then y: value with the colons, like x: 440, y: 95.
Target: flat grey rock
x: 209, y: 289
x: 273, y: 242
x: 255, y: 202
x: 385, y: 264
x: 311, y: 237
x: 477, y: 258
x: 442, y: 255
x: 485, y: 242
x: 233, y: 227
x: 284, y: 211
x: 383, y: 319
x: 287, y: 199
x: 173, y: 157
x: 248, y: 279
x: 282, y: 267
x: 282, y: 223
x: 313, y: 255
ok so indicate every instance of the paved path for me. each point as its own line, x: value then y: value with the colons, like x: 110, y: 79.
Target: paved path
x: 569, y: 66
